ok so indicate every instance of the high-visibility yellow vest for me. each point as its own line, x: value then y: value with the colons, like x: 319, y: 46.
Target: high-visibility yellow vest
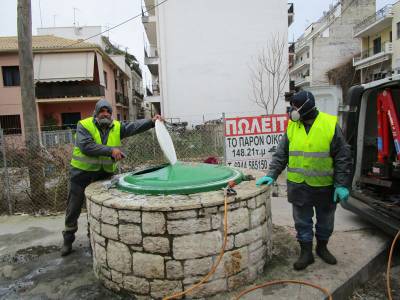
x: 309, y: 154
x: 96, y: 163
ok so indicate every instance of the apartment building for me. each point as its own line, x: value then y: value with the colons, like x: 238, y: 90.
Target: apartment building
x: 199, y: 53
x: 328, y: 43
x: 379, y: 36
x: 69, y: 78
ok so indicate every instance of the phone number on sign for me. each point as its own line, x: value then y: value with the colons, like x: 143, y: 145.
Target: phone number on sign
x: 261, y: 164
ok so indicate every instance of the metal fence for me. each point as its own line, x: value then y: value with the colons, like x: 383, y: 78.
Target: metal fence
x: 37, y: 181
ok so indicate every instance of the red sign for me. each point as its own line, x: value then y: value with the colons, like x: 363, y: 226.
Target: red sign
x: 270, y: 124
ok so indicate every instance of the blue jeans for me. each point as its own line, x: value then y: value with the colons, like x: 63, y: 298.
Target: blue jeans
x: 303, y: 221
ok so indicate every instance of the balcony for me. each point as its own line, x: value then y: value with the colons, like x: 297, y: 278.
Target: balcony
x: 290, y: 13
x: 373, y: 56
x: 68, y: 91
x: 302, y: 81
x: 305, y: 63
x: 154, y: 95
x: 151, y: 59
x: 121, y: 99
x: 375, y: 23
x: 301, y: 45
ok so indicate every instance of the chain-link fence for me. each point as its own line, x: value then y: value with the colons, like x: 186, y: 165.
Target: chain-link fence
x: 36, y: 179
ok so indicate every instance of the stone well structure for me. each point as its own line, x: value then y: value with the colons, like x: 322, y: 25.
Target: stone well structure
x: 153, y: 246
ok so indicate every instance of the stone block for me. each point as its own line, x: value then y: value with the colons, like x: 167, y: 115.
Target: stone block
x: 119, y: 257
x: 98, y: 239
x: 129, y: 216
x: 94, y: 225
x: 197, y: 245
x: 238, y: 280
x: 136, y: 284
x: 258, y: 255
x: 109, y: 231
x: 95, y: 210
x: 162, y: 288
x: 116, y: 276
x: 148, y: 265
x: 238, y: 220
x: 257, y: 216
x: 179, y: 227
x: 174, y: 269
x: 201, y: 266
x: 210, y: 288
x: 185, y: 214
x: 130, y: 234
x: 100, y: 254
x: 232, y: 263
x: 153, y: 223
x: 217, y: 221
x: 109, y: 215
x: 248, y: 237
x: 156, y: 244
x: 251, y: 203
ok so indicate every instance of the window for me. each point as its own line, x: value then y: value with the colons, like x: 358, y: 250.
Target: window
x: 11, y: 124
x: 390, y: 36
x: 105, y: 78
x: 308, y: 54
x: 119, y: 117
x: 398, y: 30
x: 377, y: 45
x: 10, y: 76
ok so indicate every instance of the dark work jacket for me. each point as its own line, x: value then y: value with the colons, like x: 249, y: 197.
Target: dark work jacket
x: 88, y: 146
x: 303, y: 194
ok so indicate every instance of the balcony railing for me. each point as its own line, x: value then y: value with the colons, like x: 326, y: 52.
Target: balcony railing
x: 385, y: 48
x: 379, y: 15
x: 67, y: 90
x: 121, y: 99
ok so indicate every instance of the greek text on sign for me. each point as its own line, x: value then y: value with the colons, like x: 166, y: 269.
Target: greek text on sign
x: 250, y: 141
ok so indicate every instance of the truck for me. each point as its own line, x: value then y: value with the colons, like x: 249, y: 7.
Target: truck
x: 371, y: 127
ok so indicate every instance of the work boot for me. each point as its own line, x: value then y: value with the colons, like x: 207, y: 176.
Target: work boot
x: 67, y: 245
x: 306, y: 256
x: 324, y: 253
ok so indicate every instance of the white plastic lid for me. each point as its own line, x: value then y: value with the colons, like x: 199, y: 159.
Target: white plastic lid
x: 165, y: 141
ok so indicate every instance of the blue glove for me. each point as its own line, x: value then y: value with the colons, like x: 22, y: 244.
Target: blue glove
x: 342, y: 193
x: 265, y: 180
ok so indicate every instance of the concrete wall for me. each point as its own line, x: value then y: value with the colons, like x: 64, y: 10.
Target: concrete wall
x: 340, y: 46
x: 206, y: 48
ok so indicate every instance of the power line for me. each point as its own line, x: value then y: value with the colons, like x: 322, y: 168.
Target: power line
x: 120, y: 24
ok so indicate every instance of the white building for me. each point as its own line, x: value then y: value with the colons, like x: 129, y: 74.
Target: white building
x: 200, y: 51
x: 328, y: 43
x: 379, y: 36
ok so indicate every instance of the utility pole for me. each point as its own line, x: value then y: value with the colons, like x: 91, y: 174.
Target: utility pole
x: 31, y: 130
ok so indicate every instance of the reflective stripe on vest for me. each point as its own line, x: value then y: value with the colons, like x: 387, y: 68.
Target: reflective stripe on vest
x: 309, y: 154
x: 93, y: 163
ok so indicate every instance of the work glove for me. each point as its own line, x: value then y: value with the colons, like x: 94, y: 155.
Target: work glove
x: 265, y: 180
x: 342, y: 193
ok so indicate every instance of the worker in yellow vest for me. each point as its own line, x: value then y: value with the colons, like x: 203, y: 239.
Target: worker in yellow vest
x: 94, y: 157
x: 318, y: 161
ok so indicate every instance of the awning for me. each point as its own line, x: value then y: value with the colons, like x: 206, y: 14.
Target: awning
x: 51, y: 67
x: 101, y: 69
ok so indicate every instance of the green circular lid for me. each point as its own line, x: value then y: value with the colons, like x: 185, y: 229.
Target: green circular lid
x: 181, y: 178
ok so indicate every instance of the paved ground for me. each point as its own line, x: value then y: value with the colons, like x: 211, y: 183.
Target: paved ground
x: 30, y: 266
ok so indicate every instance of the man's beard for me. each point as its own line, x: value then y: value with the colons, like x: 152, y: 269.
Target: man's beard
x: 104, y: 122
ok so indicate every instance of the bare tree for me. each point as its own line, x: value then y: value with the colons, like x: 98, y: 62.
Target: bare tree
x: 269, y: 74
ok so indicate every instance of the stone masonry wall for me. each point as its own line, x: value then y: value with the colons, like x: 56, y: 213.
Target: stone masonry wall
x: 153, y: 246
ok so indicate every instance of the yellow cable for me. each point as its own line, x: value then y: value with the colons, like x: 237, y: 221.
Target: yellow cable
x: 389, y: 290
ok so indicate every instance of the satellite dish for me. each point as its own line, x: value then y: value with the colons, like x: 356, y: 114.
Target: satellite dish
x: 165, y: 141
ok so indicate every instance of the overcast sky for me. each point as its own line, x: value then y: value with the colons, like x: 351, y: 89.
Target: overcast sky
x: 109, y: 13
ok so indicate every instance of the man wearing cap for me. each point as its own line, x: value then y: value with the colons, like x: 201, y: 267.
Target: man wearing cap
x: 94, y: 157
x: 318, y: 161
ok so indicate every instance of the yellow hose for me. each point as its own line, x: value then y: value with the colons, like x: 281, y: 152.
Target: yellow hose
x: 389, y: 290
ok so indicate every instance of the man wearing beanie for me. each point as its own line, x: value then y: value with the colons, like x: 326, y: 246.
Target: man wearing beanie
x: 318, y: 162
x: 94, y: 157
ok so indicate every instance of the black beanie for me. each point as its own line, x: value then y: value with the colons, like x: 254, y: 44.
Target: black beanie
x: 306, y: 112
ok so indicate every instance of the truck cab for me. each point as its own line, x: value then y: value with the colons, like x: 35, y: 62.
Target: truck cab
x: 375, y: 191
